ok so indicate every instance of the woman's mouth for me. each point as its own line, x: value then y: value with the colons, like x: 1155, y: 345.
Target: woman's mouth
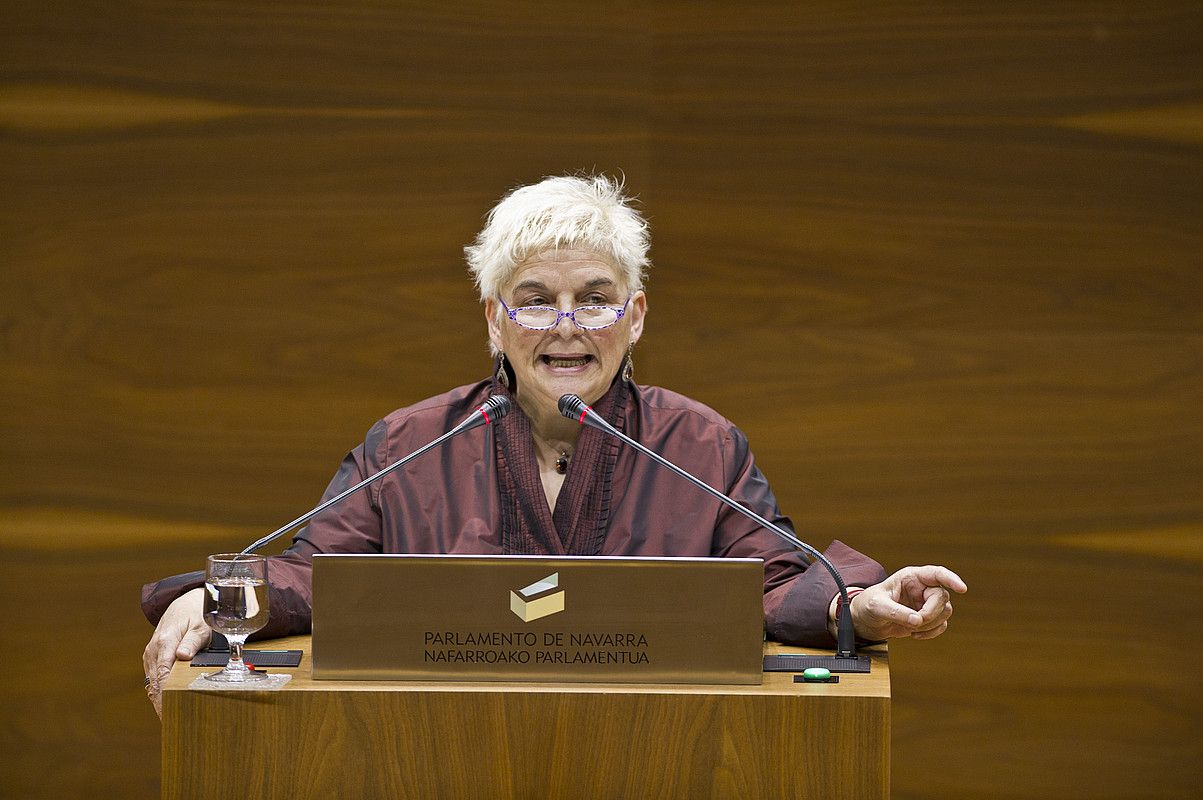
x: 566, y: 361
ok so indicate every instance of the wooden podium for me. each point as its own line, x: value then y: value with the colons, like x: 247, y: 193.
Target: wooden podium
x: 387, y: 739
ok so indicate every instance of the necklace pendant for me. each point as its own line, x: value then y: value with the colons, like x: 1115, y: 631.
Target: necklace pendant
x: 562, y: 464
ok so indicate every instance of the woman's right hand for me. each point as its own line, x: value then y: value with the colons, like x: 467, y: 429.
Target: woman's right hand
x: 179, y: 635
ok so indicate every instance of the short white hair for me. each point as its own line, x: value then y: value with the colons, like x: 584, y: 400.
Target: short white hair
x: 586, y: 212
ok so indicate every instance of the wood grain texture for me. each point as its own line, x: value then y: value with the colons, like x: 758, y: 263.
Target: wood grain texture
x: 941, y: 263
x: 398, y: 739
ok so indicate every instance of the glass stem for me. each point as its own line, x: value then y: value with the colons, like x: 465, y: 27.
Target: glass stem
x: 236, y: 664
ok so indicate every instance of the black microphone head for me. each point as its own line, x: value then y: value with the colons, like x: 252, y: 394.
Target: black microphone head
x: 573, y: 407
x: 497, y: 406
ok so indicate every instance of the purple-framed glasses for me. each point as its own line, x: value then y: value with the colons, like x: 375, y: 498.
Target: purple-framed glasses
x: 544, y: 318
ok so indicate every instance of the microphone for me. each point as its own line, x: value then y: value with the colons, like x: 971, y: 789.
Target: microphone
x: 574, y: 407
x: 493, y: 409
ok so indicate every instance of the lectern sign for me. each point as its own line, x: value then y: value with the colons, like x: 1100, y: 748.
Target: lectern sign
x: 504, y: 618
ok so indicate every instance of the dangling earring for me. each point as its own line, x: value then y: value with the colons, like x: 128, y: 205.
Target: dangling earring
x: 628, y: 366
x: 503, y: 375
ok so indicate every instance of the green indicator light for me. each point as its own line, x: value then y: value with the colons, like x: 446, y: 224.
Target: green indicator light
x: 816, y: 674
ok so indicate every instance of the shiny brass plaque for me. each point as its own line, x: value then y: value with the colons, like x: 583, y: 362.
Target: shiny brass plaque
x: 540, y: 618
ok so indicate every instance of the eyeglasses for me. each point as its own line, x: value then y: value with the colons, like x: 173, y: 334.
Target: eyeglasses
x: 544, y: 318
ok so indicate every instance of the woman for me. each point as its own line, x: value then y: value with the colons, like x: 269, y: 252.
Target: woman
x: 560, y: 267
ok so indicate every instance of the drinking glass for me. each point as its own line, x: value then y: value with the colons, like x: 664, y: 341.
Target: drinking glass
x: 236, y: 606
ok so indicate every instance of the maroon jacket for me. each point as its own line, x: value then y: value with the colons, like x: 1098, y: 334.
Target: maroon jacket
x: 448, y: 501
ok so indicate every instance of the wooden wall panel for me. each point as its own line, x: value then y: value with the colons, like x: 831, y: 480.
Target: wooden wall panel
x: 941, y: 263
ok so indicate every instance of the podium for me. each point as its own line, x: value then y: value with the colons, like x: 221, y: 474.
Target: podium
x: 394, y: 739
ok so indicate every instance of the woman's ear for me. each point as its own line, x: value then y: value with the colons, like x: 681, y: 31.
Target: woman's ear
x: 637, y: 313
x: 494, y: 326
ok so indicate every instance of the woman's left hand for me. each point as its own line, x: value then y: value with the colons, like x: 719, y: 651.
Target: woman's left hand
x: 914, y: 602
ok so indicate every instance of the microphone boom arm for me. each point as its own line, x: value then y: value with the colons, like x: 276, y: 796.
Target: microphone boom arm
x: 498, y: 405
x: 573, y: 407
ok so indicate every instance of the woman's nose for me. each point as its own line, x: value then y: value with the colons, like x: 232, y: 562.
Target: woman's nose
x: 566, y: 326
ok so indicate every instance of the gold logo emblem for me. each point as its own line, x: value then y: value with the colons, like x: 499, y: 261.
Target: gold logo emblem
x: 541, y: 599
